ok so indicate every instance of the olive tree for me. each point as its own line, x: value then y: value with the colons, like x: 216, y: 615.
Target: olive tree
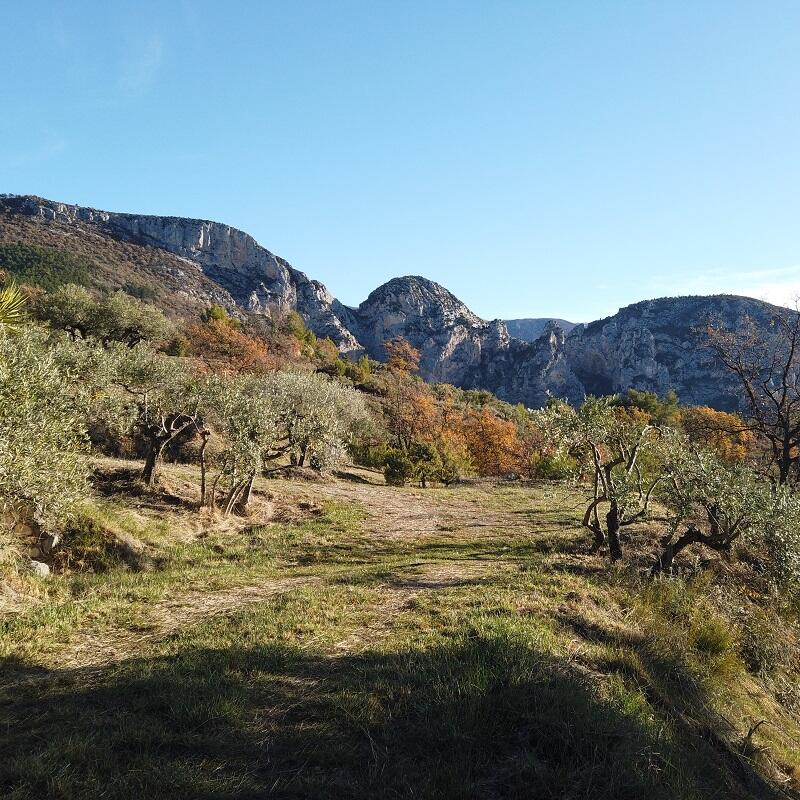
x: 116, y: 317
x: 43, y: 438
x: 246, y: 411
x: 714, y: 503
x: 612, y: 444
x: 782, y: 541
x: 318, y: 416
x: 263, y: 418
x: 69, y: 308
x: 119, y: 317
x: 152, y: 395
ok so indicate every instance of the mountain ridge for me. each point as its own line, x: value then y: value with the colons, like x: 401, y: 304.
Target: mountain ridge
x: 652, y: 344
x: 529, y: 329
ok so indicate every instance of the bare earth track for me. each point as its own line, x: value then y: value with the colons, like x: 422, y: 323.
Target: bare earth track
x: 389, y: 515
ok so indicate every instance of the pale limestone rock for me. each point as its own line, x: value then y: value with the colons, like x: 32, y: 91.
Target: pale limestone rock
x: 39, y: 568
x: 653, y: 345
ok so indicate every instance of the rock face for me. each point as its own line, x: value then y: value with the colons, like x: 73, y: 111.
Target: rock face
x: 257, y: 279
x: 658, y: 345
x: 447, y: 334
x: 653, y: 345
x: 458, y: 347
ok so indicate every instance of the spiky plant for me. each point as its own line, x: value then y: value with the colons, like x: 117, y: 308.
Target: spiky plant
x: 12, y: 306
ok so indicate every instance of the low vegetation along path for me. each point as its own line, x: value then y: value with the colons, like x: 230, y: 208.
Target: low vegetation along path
x: 356, y: 640
x: 390, y: 515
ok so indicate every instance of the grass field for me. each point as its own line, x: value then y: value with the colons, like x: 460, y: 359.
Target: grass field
x: 352, y: 640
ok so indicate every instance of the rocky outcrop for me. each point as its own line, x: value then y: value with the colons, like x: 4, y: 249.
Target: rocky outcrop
x: 658, y: 345
x: 458, y: 347
x: 258, y: 280
x: 654, y: 345
x: 447, y: 334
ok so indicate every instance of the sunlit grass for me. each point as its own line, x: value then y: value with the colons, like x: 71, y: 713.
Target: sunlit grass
x: 319, y: 658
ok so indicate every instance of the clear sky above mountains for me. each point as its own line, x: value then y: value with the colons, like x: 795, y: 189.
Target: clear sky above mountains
x: 537, y: 158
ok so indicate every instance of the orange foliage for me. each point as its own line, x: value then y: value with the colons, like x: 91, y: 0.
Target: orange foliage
x: 719, y: 431
x: 326, y: 351
x: 403, y: 356
x: 412, y: 412
x: 493, y: 443
x: 226, y: 349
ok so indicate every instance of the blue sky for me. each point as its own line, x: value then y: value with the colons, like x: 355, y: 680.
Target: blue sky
x: 555, y: 158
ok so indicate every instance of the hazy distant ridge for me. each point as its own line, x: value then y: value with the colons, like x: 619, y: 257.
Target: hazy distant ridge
x: 531, y: 329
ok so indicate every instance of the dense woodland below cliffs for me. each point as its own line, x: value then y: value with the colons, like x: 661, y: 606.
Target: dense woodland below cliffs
x: 254, y: 541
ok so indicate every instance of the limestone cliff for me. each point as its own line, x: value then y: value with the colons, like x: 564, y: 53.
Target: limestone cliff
x: 257, y: 279
x: 529, y: 330
x: 654, y: 345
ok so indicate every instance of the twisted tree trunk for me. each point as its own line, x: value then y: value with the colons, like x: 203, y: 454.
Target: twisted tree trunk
x: 613, y: 524
x: 155, y: 449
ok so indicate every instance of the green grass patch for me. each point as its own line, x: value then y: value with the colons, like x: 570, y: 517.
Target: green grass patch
x: 504, y: 664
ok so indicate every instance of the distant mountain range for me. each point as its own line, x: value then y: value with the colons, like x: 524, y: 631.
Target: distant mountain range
x: 529, y: 330
x: 184, y: 265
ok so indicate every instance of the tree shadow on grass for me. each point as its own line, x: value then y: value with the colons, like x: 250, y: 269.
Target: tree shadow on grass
x: 481, y: 717
x: 126, y: 482
x: 659, y: 672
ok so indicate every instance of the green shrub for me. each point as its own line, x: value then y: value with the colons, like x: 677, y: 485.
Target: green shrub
x: 86, y: 543
x: 42, y: 430
x: 216, y: 313
x: 397, y: 468
x: 47, y: 267
x: 763, y: 644
x: 140, y: 291
x: 555, y: 467
x: 117, y: 317
x: 711, y: 636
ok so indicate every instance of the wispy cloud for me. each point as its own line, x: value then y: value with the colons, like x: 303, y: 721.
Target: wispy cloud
x: 32, y: 156
x: 141, y: 68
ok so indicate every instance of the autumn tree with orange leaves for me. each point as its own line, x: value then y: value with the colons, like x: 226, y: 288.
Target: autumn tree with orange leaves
x: 725, y: 434
x: 402, y: 357
x: 226, y: 349
x: 492, y: 442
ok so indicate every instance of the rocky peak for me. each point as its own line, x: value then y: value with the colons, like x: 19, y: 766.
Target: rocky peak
x: 258, y: 280
x: 418, y: 299
x: 447, y: 334
x: 653, y: 345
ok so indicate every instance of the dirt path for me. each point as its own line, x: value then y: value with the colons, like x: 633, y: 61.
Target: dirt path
x: 390, y: 514
x: 398, y: 597
x: 178, y: 613
x: 397, y: 514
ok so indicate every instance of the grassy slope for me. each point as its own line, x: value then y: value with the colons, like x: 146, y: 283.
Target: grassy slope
x: 379, y: 643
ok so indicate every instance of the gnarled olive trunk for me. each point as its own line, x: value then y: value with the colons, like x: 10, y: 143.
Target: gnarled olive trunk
x: 599, y: 539
x: 158, y: 437
x: 716, y: 539
x: 206, y: 435
x: 155, y: 449
x: 244, y: 498
x: 239, y: 496
x: 613, y: 524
